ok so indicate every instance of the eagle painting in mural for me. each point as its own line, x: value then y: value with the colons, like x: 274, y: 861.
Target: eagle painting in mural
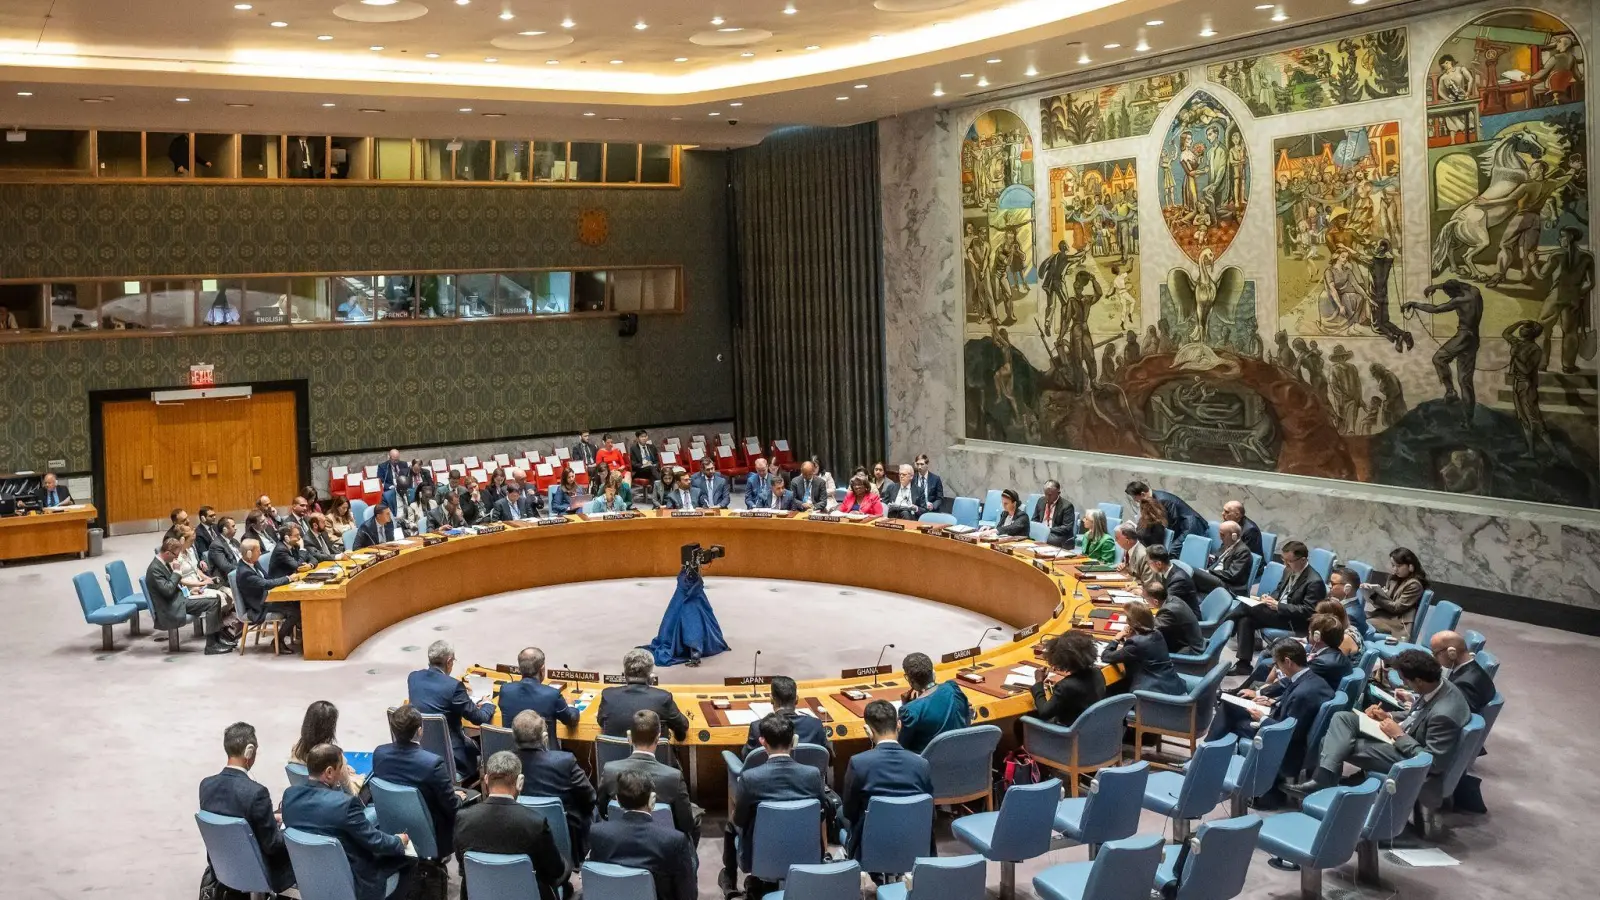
x: 1205, y: 294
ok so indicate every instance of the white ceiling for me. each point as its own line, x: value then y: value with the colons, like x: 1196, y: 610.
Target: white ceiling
x: 561, y: 82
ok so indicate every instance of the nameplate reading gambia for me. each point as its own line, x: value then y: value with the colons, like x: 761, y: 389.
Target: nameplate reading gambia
x: 959, y: 655
x: 864, y: 671
x: 747, y: 681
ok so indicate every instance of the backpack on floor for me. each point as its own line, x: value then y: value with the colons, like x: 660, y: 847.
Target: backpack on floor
x: 1020, y: 768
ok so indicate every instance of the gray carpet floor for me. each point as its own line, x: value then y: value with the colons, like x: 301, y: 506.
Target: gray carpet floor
x: 105, y: 749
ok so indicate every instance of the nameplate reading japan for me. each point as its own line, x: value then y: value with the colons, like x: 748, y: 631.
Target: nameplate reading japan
x: 571, y: 675
x: 623, y: 679
x: 864, y: 671
x: 959, y: 655
x: 747, y: 681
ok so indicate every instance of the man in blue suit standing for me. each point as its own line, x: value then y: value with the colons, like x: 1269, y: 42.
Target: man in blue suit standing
x: 887, y: 770
x: 932, y: 485
x: 433, y: 691
x: 324, y: 807
x: 928, y: 709
x: 405, y: 763
x: 711, y: 487
x: 757, y: 485
x: 1181, y: 517
x: 1300, y: 698
x: 532, y: 693
x: 232, y: 792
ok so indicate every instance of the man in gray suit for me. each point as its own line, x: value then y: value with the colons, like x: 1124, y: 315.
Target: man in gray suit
x: 1434, y: 726
x: 1134, y: 560
x: 668, y: 782
x: 514, y: 506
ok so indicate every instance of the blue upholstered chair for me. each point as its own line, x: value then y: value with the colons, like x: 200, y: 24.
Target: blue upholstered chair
x: 1214, y: 536
x: 942, y: 878
x: 1440, y: 787
x: 1199, y: 663
x: 1321, y: 561
x: 1219, y: 859
x: 1029, y: 502
x: 1186, y: 716
x: 1191, y: 795
x: 822, y: 881
x: 1213, y: 608
x: 1491, y: 712
x: 505, y: 876
x: 935, y: 518
x: 1256, y: 772
x: 435, y: 739
x: 1196, y: 548
x: 1490, y: 663
x: 1442, y: 615
x: 234, y: 854
x: 661, y: 813
x: 1020, y: 831
x: 960, y: 763
x: 787, y: 833
x: 1363, y: 570
x: 894, y: 832
x: 1319, y: 727
x: 1314, y: 844
x: 173, y: 627
x: 1113, y: 511
x: 554, y: 813
x: 349, y: 539
x: 1390, y: 812
x: 402, y: 811
x: 1271, y: 577
x: 1110, y: 812
x: 493, y: 739
x: 122, y: 592
x: 359, y: 513
x: 321, y: 870
x: 296, y: 773
x: 1089, y: 744
x: 1124, y: 870
x: 991, y: 508
x: 604, y: 881
x: 96, y: 611
x: 1269, y: 544
x: 965, y: 509
x: 1475, y: 640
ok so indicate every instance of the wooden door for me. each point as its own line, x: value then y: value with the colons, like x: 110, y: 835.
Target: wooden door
x: 223, y: 452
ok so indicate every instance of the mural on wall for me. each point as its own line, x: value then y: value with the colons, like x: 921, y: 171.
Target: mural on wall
x: 1125, y: 109
x: 1093, y: 252
x: 1204, y: 177
x: 997, y: 216
x: 1339, y: 237
x: 1372, y: 66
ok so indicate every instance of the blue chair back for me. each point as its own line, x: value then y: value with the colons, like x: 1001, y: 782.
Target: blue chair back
x: 321, y: 870
x: 1392, y: 810
x: 349, y: 539
x: 1115, y: 798
x: 1422, y: 613
x: 1466, y: 750
x: 1362, y: 570
x: 1475, y: 640
x: 358, y: 512
x: 1490, y: 663
x: 1340, y: 830
x: 1491, y: 712
x: 1443, y: 615
x: 894, y: 832
x: 296, y: 773
x: 814, y: 755
x: 965, y: 509
x: 1100, y: 728
x: 1202, y: 777
x: 1124, y: 869
x: 1264, y: 758
x: 1319, y: 727
x: 1216, y: 604
x: 1353, y: 687
x: 234, y: 854
x: 1370, y: 654
x: 661, y: 813
x: 1216, y: 868
x: 787, y: 833
x: 949, y: 878
x: 1269, y: 543
x: 1200, y: 664
x: 494, y: 739
x: 1038, y: 531
x: 838, y: 494
x: 1321, y: 560
x: 604, y: 881
x: 959, y: 760
x: 90, y: 596
x: 499, y: 876
x: 401, y: 811
x: 121, y: 584
x: 935, y: 518
x: 1170, y: 536
x: 1195, y: 550
x: 1030, y: 501
x: 435, y: 739
x: 1214, y: 535
x: 554, y: 814
x: 991, y: 508
x: 1026, y: 821
x: 824, y: 881
x: 1271, y: 577
x: 1113, y: 511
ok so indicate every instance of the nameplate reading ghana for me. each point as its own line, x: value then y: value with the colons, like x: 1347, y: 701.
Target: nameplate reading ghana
x: 747, y: 680
x: 571, y: 675
x: 959, y: 655
x: 1026, y: 633
x: 623, y: 679
x: 865, y: 671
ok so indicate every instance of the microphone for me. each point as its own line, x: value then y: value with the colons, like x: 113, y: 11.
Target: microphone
x: 979, y: 645
x: 879, y: 663
x: 755, y: 664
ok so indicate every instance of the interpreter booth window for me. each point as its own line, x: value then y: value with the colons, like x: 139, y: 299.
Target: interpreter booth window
x: 310, y: 300
x: 245, y: 301
x: 260, y: 156
x: 550, y: 161
x: 124, y: 306
x: 172, y: 304
x: 349, y: 158
x: 121, y: 154
x: 218, y: 151
x: 622, y: 163
x: 46, y: 152
x: 308, y: 156
x: 586, y: 162
x: 656, y: 167
x: 588, y: 292
x: 393, y: 159
x: 396, y: 295
x: 534, y: 293
x: 475, y: 296
x: 352, y: 297
x: 20, y: 306
x: 512, y: 160
x: 437, y: 296
x: 73, y: 305
x: 640, y: 290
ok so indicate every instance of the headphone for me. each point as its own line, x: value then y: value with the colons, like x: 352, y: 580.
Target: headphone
x: 250, y: 752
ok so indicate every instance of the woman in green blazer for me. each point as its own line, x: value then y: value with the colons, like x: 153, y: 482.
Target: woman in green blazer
x: 1095, y: 543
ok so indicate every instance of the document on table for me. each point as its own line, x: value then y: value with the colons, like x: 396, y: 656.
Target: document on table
x: 761, y: 710
x: 1237, y: 700
x: 741, y: 716
x: 1123, y: 595
x: 1107, y: 576
x: 1369, y: 727
x: 481, y: 688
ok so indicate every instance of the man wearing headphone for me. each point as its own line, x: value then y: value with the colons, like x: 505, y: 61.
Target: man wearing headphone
x: 232, y: 792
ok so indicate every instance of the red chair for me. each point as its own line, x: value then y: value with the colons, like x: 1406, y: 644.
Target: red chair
x: 503, y: 460
x: 372, y: 491
x: 782, y: 455
x: 369, y: 471
x: 336, y: 480
x: 544, y: 477
x: 352, y: 486
x: 728, y: 463
x: 751, y: 451
x: 695, y: 455
x: 669, y: 458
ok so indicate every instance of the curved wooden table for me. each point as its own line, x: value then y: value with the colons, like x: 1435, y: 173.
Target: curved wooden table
x: 1009, y: 587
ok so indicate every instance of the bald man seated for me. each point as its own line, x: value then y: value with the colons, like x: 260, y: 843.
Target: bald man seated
x: 1228, y: 568
x: 1233, y: 511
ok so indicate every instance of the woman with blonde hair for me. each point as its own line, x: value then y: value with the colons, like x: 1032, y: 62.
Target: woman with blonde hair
x: 1095, y: 543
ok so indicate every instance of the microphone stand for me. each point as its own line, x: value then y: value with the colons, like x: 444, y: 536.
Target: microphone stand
x: 979, y: 645
x: 879, y: 663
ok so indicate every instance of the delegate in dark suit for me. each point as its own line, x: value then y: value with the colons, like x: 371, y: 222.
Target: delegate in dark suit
x: 1250, y: 537
x: 634, y: 839
x: 1180, y: 586
x: 1300, y: 698
x: 711, y: 492
x: 1069, y: 697
x: 547, y: 701
x: 372, y: 533
x: 1229, y: 570
x: 619, y: 703
x: 810, y: 493
x: 1181, y: 517
x: 527, y: 508
x: 891, y: 494
x: 232, y: 792
x: 1061, y: 518
x: 556, y: 773
x: 1297, y: 596
x: 668, y: 784
x: 1433, y: 726
x: 1146, y: 666
x: 253, y: 587
x: 1474, y: 683
x: 887, y: 770
x: 409, y: 765
x: 433, y: 692
x: 286, y: 561
x: 502, y: 825
x: 168, y: 604
x: 1014, y: 525
x: 1178, y: 626
x: 223, y: 556
x: 779, y: 778
x: 56, y: 496
x: 807, y: 730
x: 332, y: 812
x: 932, y: 491
x: 678, y: 498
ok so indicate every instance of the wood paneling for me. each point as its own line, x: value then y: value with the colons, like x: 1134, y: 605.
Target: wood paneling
x: 46, y: 533
x: 219, y: 452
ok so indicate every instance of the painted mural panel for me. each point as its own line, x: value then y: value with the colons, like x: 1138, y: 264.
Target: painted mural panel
x: 1205, y: 178
x: 997, y: 216
x: 1090, y: 278
x: 1373, y: 66
x: 1124, y: 109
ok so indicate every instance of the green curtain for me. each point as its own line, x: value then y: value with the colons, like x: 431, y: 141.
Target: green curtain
x: 807, y: 250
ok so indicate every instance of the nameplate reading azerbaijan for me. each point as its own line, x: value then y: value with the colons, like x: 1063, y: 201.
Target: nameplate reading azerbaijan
x: 959, y: 655
x: 571, y: 675
x: 864, y: 671
x: 747, y: 681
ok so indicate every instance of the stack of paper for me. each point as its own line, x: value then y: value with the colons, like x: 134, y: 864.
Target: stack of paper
x: 1021, y: 676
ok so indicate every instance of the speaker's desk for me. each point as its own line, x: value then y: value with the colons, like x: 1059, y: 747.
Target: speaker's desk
x: 47, y: 533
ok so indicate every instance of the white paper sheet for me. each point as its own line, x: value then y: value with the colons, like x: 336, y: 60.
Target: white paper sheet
x: 1247, y: 601
x: 1236, y: 700
x: 1019, y: 680
x: 1369, y: 727
x: 1424, y: 857
x: 741, y: 716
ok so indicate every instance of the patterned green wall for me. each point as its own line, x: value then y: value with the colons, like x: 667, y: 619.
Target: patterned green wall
x: 374, y: 387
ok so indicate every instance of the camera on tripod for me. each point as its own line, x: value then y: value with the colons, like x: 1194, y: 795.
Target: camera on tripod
x: 695, y: 556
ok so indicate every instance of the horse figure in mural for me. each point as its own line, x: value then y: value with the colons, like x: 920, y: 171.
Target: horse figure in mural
x: 1467, y: 232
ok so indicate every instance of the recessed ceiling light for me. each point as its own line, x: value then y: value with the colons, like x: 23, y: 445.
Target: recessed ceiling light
x: 380, y: 2
x: 876, y: 37
x: 790, y: 10
x: 465, y: 109
x: 677, y: 118
x: 813, y: 47
x: 375, y: 47
x: 1113, y: 45
x: 614, y: 119
x: 241, y: 105
x: 431, y: 55
x: 639, y: 26
x: 242, y: 6
x: 616, y: 62
x: 588, y: 114
x: 1142, y: 47
x: 1083, y: 57
x: 530, y: 33
x: 91, y: 100
x: 713, y: 114
x: 491, y: 59
x: 462, y: 2
x: 748, y: 53
x: 1280, y: 15
x: 966, y: 74
x: 861, y: 87
x: 324, y: 37
x: 994, y: 61
x: 681, y: 59
x: 1260, y: 6
x: 371, y: 110
x: 1358, y: 2
x: 280, y: 24
x: 494, y: 115
x: 1208, y: 31
x: 736, y: 103
x: 552, y: 62
x: 841, y: 98
x: 181, y: 99
x: 568, y: 23
x: 328, y: 105
x: 507, y: 16
x: 938, y: 92
x: 1155, y: 22
x: 730, y: 30
x: 983, y: 82
x: 24, y: 93
x: 717, y: 20
x: 1030, y: 71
